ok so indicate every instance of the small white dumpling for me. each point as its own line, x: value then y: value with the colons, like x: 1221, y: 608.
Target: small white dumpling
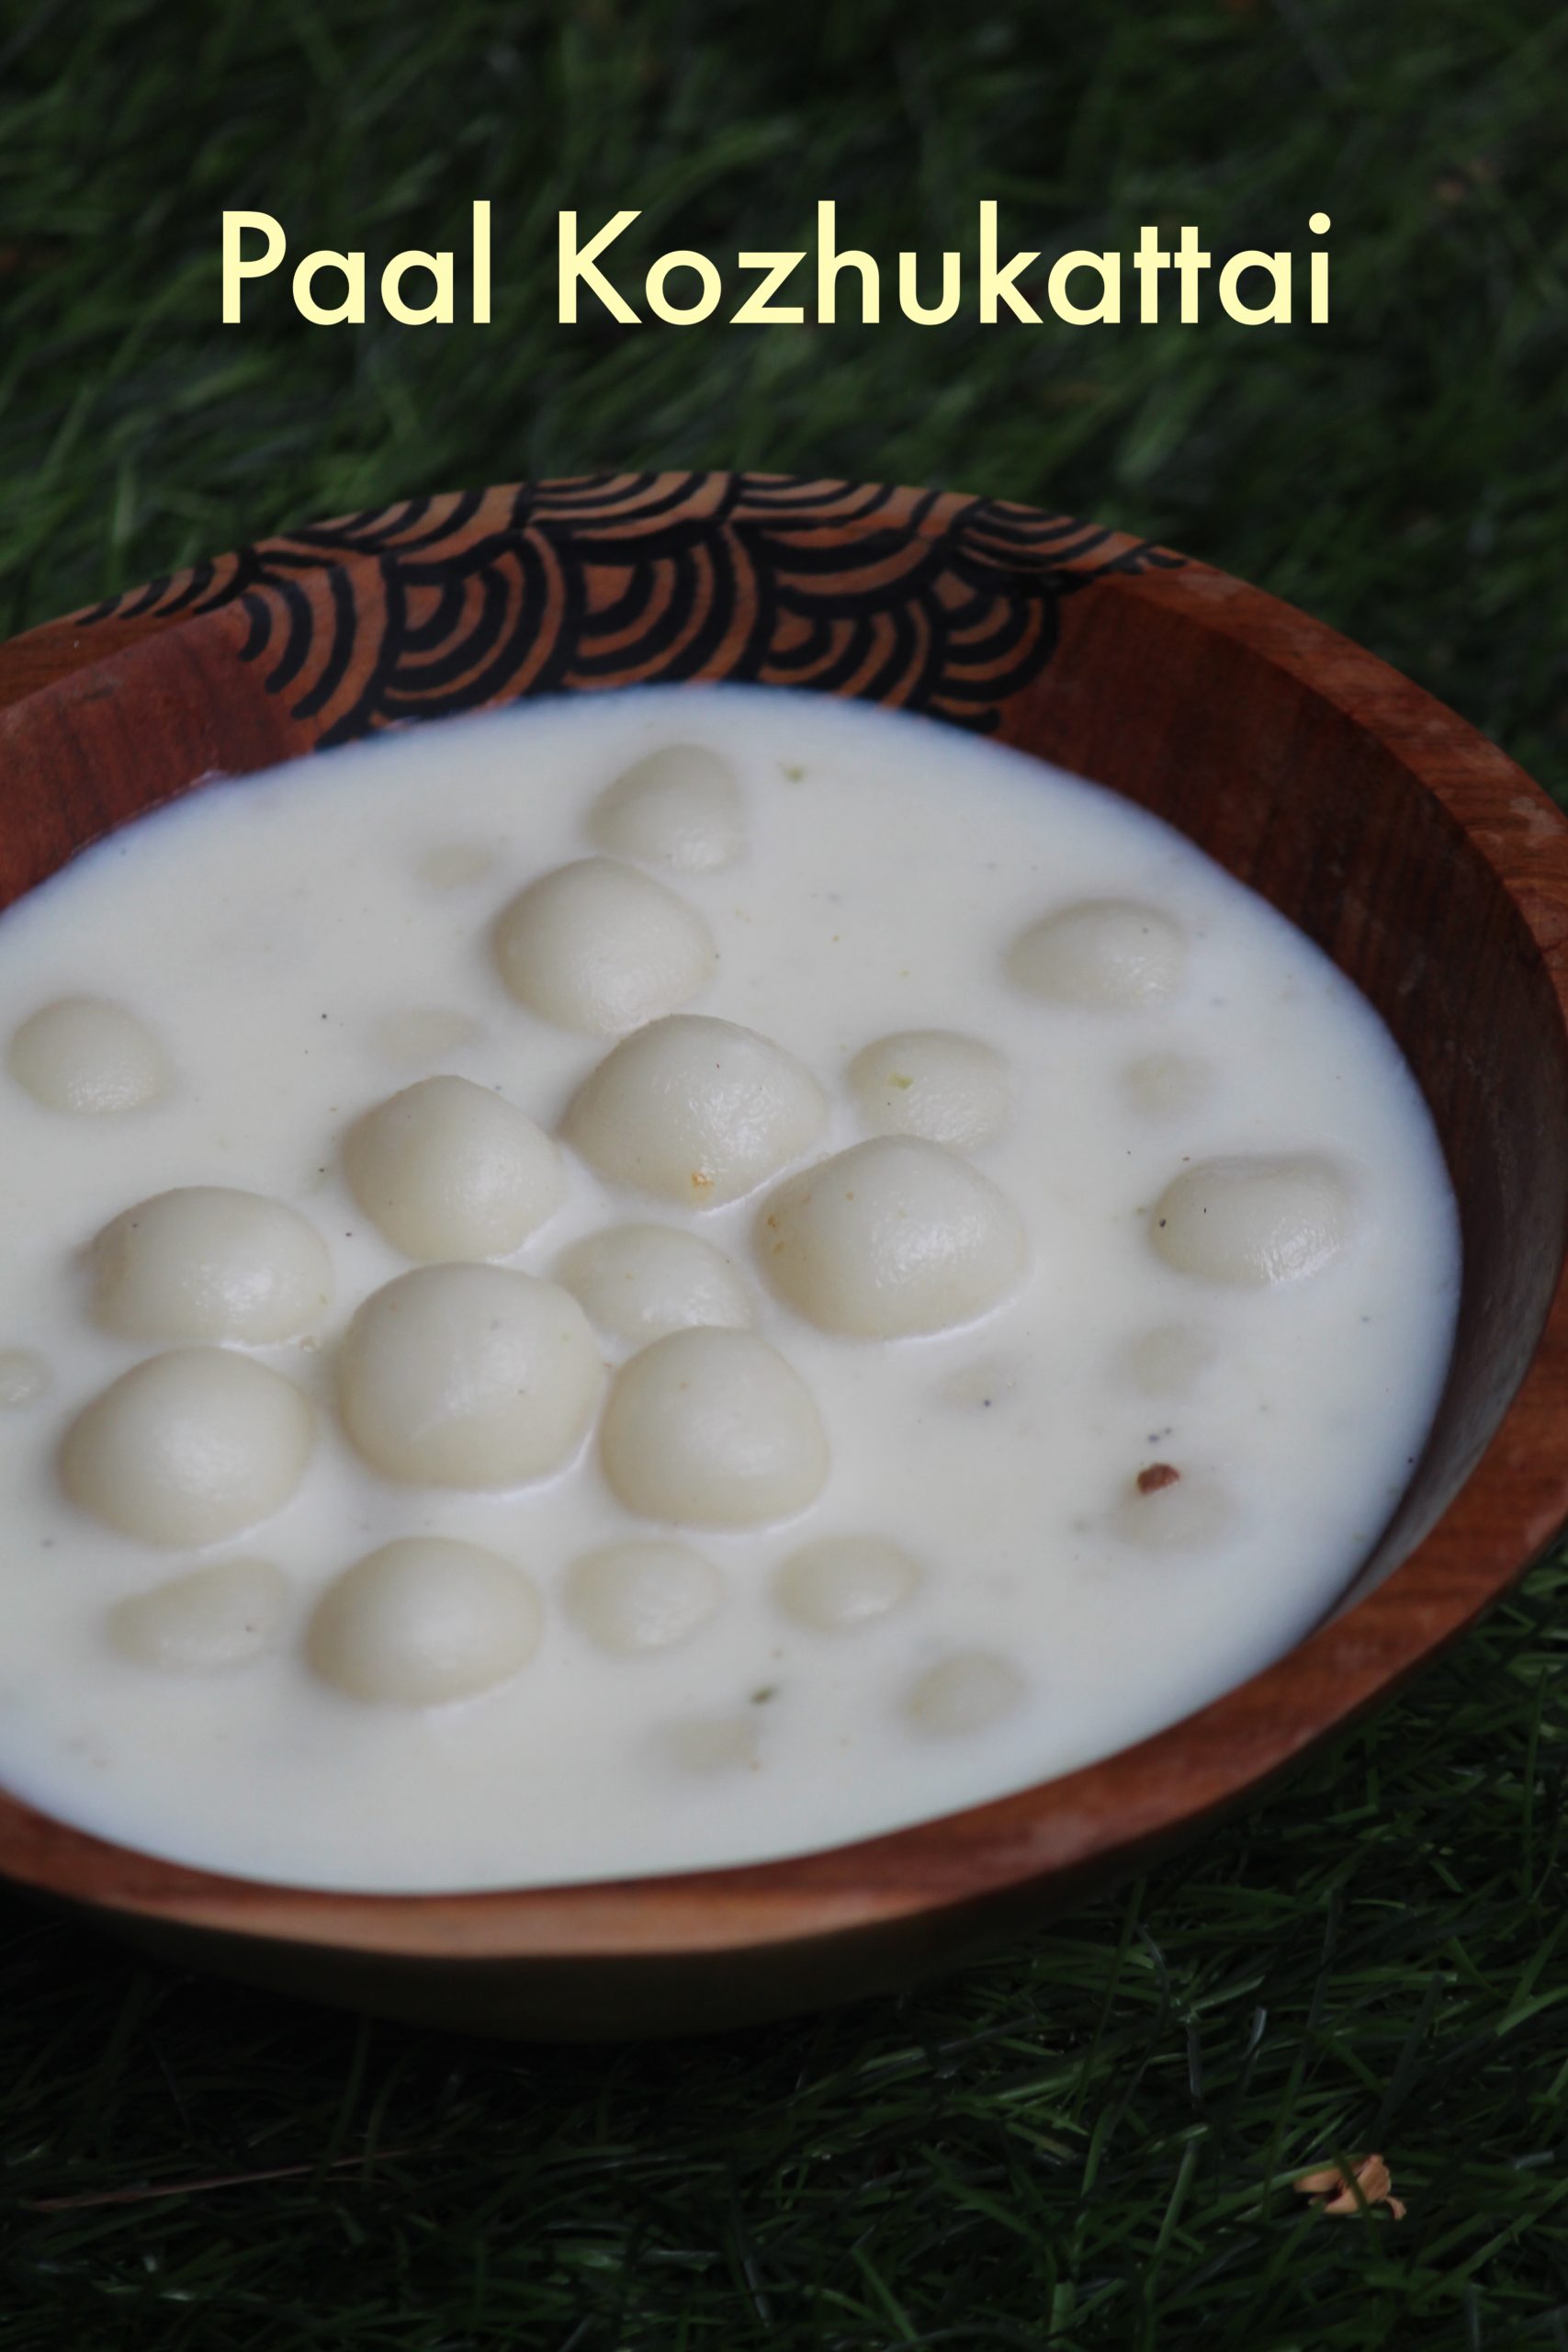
x: 1170, y: 1359
x: 641, y: 1595
x: 1253, y: 1219
x: 208, y: 1262
x: 709, y: 1745
x: 423, y: 1621
x: 88, y: 1054
x: 1116, y: 954
x: 189, y: 1447
x: 1164, y: 1510
x: 889, y: 1238
x: 695, y: 1111
x: 1165, y: 1086
x: 455, y: 865
x: 598, y: 947
x: 984, y: 1381
x: 25, y: 1377
x: 637, y: 1282
x: 423, y: 1032
x: 468, y: 1376
x: 933, y: 1083
x: 208, y: 1619
x: 679, y: 807
x: 841, y: 1582
x: 450, y: 1170
x: 964, y: 1693
x: 712, y: 1428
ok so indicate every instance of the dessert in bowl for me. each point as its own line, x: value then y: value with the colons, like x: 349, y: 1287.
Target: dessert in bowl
x: 854, y: 1693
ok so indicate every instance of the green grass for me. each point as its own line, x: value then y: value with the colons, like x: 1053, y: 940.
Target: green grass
x: 1089, y: 2141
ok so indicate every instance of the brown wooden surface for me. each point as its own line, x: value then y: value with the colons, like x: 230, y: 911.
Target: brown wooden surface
x: 1421, y: 859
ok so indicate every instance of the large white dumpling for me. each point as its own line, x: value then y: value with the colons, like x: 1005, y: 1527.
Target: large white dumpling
x: 891, y: 1237
x: 450, y: 1169
x: 840, y: 1582
x: 695, y: 1111
x: 189, y: 1447
x: 90, y: 1055
x: 205, y: 1621
x: 641, y: 1595
x: 598, y: 947
x: 210, y: 1262
x: 637, y: 1282
x: 712, y: 1428
x: 933, y: 1083
x: 679, y: 808
x: 423, y: 1621
x: 1254, y: 1218
x: 468, y: 1376
x: 1114, y: 953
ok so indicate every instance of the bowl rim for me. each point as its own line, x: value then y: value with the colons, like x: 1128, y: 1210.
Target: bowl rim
x: 1085, y: 1824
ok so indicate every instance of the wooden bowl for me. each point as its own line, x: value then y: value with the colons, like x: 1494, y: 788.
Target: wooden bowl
x: 1420, y: 858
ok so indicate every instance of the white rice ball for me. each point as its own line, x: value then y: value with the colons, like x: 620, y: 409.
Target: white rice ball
x: 598, y: 947
x: 468, y: 1376
x: 200, y: 1622
x: 841, y: 1582
x: 188, y: 1448
x: 88, y: 1054
x: 964, y: 1693
x: 423, y: 1621
x: 1117, y: 954
x: 933, y: 1083
x: 209, y: 1262
x: 641, y: 1595
x: 637, y: 1282
x: 1255, y: 1218
x: 695, y: 1111
x: 679, y: 807
x: 450, y: 1170
x: 891, y: 1237
x: 712, y: 1428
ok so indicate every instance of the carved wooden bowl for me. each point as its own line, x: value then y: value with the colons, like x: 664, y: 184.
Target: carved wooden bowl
x: 1420, y: 858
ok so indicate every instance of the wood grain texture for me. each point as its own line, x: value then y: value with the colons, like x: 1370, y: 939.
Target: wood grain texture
x: 1418, y: 856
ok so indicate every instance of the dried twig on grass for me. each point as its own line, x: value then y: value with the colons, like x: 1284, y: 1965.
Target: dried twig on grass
x: 143, y: 2191
x: 1335, y: 2194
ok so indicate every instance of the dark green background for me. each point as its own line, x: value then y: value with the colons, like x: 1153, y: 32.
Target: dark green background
x: 1089, y: 2142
